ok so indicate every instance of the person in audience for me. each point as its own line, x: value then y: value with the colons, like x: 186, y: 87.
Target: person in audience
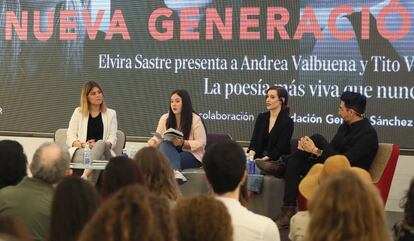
x: 13, y: 163
x: 186, y: 152
x: 11, y: 226
x: 158, y: 173
x: 120, y: 172
x: 162, y: 212
x: 272, y: 131
x: 202, y: 218
x: 347, y: 208
x: 92, y: 125
x: 356, y: 138
x: 74, y: 202
x: 316, y: 176
x: 126, y: 216
x: 225, y: 167
x: 30, y: 200
x: 404, y: 229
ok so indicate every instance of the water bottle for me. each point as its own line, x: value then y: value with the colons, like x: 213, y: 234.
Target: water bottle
x: 86, y: 156
x: 251, y: 166
x: 124, y: 152
x: 133, y: 151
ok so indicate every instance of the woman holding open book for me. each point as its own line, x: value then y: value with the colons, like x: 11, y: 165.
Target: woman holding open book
x: 183, y: 133
x: 92, y: 125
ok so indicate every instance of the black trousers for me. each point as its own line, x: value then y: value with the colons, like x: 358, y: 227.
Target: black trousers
x: 299, y: 163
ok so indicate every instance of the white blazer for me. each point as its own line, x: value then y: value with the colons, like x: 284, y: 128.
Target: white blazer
x: 78, y: 128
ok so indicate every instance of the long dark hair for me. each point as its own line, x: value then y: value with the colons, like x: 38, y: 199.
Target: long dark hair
x: 283, y: 97
x: 120, y: 172
x: 186, y: 113
x: 13, y: 163
x: 74, y: 202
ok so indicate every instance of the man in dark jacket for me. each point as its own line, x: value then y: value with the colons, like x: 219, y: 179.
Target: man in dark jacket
x: 355, y: 138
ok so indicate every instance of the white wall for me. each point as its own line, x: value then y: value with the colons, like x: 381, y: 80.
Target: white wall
x: 403, y: 173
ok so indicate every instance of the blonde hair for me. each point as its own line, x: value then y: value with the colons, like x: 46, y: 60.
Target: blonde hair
x: 86, y: 89
x: 347, y: 208
x: 159, y: 174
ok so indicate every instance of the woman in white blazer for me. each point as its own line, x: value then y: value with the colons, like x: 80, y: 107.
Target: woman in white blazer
x: 92, y: 124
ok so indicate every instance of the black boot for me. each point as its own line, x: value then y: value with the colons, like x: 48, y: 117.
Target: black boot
x: 275, y: 168
x: 283, y: 221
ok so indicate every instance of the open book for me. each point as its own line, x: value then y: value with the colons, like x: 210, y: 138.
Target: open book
x: 169, y: 134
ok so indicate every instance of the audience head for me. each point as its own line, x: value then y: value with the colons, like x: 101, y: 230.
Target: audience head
x: 355, y: 102
x: 13, y: 163
x: 124, y: 216
x: 320, y: 172
x: 74, y: 202
x: 409, y: 205
x: 120, y: 172
x: 202, y: 218
x: 183, y: 106
x: 87, y: 88
x: 225, y: 166
x: 163, y: 218
x: 50, y: 163
x: 158, y: 173
x: 282, y: 94
x: 14, y: 228
x: 347, y: 207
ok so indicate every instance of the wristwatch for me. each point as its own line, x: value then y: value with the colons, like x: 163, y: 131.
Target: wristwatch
x: 318, y: 152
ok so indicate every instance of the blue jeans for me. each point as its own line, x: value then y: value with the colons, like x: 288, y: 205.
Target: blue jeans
x: 179, y: 160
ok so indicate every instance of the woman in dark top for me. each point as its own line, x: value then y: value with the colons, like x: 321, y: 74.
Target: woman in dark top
x: 273, y: 128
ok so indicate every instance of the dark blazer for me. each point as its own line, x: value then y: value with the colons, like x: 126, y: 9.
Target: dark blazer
x: 358, y: 142
x: 278, y: 141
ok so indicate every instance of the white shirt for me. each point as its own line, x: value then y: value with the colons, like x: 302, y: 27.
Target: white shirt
x: 249, y: 226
